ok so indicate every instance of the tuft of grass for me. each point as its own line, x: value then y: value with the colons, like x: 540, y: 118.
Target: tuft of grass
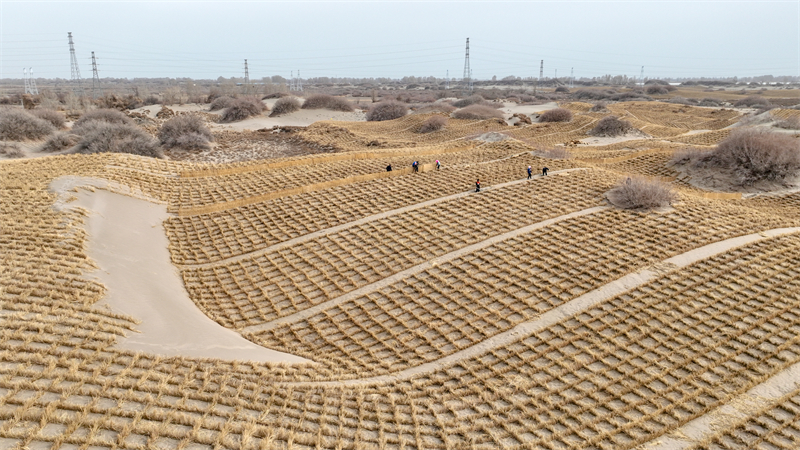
x: 471, y: 100
x: 104, y: 137
x: 387, y: 110
x: 11, y: 150
x: 556, y: 115
x: 54, y: 117
x: 478, y: 112
x: 242, y: 108
x: 433, y: 123
x: 750, y: 155
x: 19, y: 125
x: 59, y: 142
x: 187, y: 131
x: 611, y: 126
x: 285, y: 105
x: 325, y: 101
x: 221, y: 103
x: 640, y: 192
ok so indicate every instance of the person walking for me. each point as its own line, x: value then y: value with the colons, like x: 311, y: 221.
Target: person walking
x: 478, y: 185
x: 415, y: 166
x: 389, y: 168
x: 530, y: 172
x: 438, y: 165
x: 544, y: 170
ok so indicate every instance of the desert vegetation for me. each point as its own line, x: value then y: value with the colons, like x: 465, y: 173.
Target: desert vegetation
x: 556, y: 115
x: 19, y: 125
x: 222, y: 102
x: 285, y: 105
x: 611, y: 126
x: 11, y: 150
x: 387, y: 110
x: 59, y: 141
x: 325, y: 101
x: 54, y: 117
x: 105, y: 137
x: 640, y: 192
x: 477, y: 112
x: 433, y: 123
x: 243, y: 108
x: 187, y: 131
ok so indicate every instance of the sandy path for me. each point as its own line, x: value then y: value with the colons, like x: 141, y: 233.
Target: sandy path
x: 379, y: 216
x: 126, y: 239
x: 565, y: 311
x: 738, y: 408
x: 399, y: 276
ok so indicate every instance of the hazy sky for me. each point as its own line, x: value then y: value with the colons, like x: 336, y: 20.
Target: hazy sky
x: 378, y: 39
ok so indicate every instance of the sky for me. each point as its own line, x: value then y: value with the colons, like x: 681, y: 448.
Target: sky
x: 206, y: 40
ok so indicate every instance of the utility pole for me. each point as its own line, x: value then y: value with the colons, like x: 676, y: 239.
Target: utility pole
x: 447, y: 80
x: 299, y: 81
x: 556, y: 76
x: 95, y: 77
x: 75, y: 72
x: 467, y: 72
x: 641, y: 76
x: 541, y: 75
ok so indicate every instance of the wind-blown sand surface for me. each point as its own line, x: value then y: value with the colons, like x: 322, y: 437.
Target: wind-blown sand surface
x: 127, y: 241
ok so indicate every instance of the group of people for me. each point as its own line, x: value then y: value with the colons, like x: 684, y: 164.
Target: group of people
x: 415, y: 167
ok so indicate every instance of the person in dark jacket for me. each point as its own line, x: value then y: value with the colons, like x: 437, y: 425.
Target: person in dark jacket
x: 544, y: 170
x: 477, y: 185
x: 530, y: 172
x: 389, y: 168
x: 415, y: 166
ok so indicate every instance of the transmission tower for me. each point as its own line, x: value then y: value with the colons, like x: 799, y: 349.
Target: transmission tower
x: 641, y: 76
x: 447, y: 80
x: 291, y: 82
x: 541, y: 69
x: 246, y: 77
x: 32, y: 82
x: 467, y: 72
x: 571, y: 77
x: 299, y: 82
x: 75, y: 72
x: 95, y: 77
x: 25, y: 79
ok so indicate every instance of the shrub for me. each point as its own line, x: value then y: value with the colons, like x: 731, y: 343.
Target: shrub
x: 563, y: 89
x: 656, y: 89
x: 599, y: 106
x: 682, y: 101
x: 611, y: 126
x: 587, y: 94
x: 59, y: 142
x: 104, y: 137
x: 753, y: 101
x: 433, y: 123
x: 11, y: 150
x: 103, y: 115
x: 752, y: 155
x: 325, y: 101
x: 479, y: 112
x: 556, y: 115
x: 387, y: 110
x: 19, y: 125
x: 790, y: 123
x: 242, y: 108
x: 54, y: 117
x: 285, y: 105
x: 709, y: 102
x: 640, y: 192
x: 275, y: 95
x: 442, y: 107
x: 221, y: 103
x: 471, y: 100
x: 187, y: 131
x: 630, y: 97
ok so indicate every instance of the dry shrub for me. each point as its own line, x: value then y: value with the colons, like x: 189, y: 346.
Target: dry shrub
x: 325, y: 101
x: 285, y: 105
x: 753, y: 101
x: 656, y: 89
x: 790, y: 123
x: 751, y: 155
x: 54, y: 117
x: 611, y: 126
x: 221, y: 103
x: 711, y: 102
x: 554, y: 153
x: 103, y: 137
x: 433, y: 123
x: 387, y: 110
x: 59, y: 142
x: 119, y: 102
x: 242, y: 108
x: 471, y: 100
x: 103, y: 115
x: 562, y: 89
x: 275, y: 95
x: 442, y: 107
x: 599, y: 107
x: 19, y: 125
x: 478, y: 112
x: 556, y: 115
x: 187, y: 131
x: 11, y: 150
x: 640, y: 192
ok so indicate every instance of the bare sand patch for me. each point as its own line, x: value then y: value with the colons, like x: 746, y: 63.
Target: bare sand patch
x: 126, y: 238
